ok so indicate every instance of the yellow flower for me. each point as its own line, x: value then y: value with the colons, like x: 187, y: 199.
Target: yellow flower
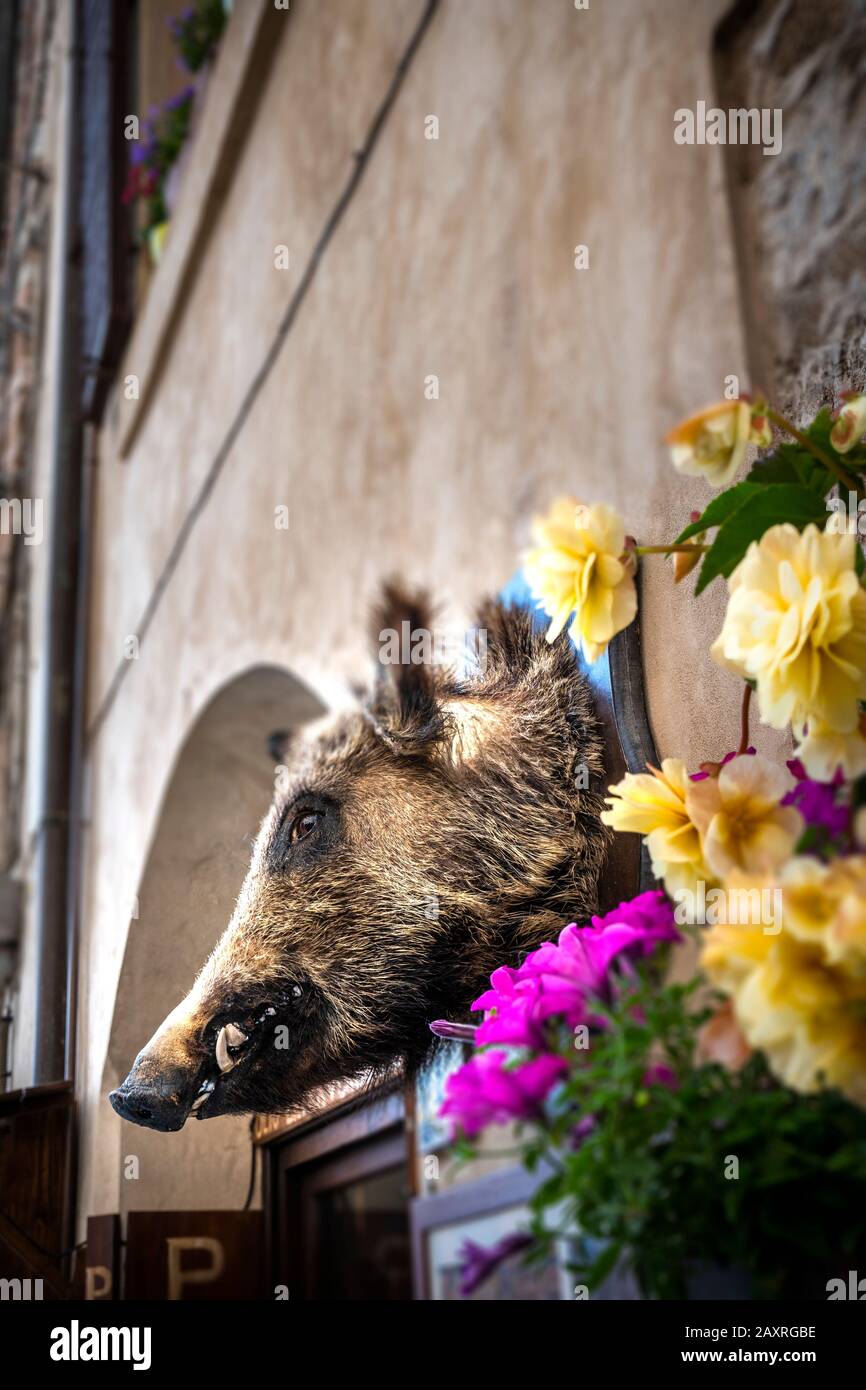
x: 823, y: 750
x: 712, y: 443
x: 653, y: 804
x: 799, y: 993
x: 850, y: 425
x: 826, y: 903
x: 741, y: 823
x: 579, y: 565
x: 796, y: 624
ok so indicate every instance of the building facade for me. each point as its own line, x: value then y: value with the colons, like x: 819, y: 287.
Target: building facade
x: 429, y: 265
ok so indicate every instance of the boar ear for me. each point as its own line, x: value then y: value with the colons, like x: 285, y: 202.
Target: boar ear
x: 404, y: 709
x: 277, y: 744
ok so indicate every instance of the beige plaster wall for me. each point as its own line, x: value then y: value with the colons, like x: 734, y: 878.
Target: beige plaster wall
x: 455, y: 257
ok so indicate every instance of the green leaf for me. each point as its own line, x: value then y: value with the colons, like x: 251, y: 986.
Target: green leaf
x: 603, y: 1264
x: 792, y: 463
x: 719, y: 510
x: 768, y: 507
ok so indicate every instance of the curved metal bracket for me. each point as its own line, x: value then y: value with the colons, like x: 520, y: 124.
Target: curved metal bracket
x: 618, y: 687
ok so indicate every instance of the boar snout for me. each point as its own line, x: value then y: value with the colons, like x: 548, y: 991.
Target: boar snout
x: 162, y: 1104
x: 165, y: 1078
x: 216, y: 1055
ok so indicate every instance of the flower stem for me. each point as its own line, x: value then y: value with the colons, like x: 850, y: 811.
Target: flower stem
x: 832, y: 465
x: 685, y: 549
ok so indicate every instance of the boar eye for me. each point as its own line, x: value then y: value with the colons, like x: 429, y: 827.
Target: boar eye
x: 303, y: 825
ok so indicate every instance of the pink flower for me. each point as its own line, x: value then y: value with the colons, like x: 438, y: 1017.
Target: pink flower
x: 483, y: 1092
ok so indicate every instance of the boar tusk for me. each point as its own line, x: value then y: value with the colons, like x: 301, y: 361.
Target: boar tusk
x: 224, y: 1061
x: 228, y: 1036
x: 202, y: 1096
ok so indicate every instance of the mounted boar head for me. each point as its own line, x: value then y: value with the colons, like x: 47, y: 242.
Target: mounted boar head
x: 446, y: 827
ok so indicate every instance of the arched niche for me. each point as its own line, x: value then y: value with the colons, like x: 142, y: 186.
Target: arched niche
x: 219, y: 791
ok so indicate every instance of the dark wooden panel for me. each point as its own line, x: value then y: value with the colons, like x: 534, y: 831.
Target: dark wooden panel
x: 308, y: 1252
x: 192, y: 1242
x: 35, y: 1133
x: 335, y: 1132
x: 101, y: 1266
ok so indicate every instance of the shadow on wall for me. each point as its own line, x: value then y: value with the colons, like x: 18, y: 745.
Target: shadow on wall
x: 220, y: 789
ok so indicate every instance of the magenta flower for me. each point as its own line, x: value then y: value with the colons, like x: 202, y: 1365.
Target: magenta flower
x: 484, y: 1093
x: 515, y: 1011
x: 649, y: 918
x: 816, y: 801
x: 559, y: 980
x: 478, y: 1262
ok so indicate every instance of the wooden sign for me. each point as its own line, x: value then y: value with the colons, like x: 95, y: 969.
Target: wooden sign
x: 102, y: 1258
x: 194, y: 1255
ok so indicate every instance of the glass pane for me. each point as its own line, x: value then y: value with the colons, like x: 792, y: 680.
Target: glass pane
x: 364, y: 1239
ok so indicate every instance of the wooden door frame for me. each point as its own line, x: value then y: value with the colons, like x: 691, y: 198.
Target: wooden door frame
x: 376, y: 1115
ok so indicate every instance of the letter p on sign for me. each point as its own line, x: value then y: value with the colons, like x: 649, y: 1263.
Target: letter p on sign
x: 178, y: 1276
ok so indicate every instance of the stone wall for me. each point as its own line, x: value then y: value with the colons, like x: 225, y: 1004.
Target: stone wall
x: 800, y: 216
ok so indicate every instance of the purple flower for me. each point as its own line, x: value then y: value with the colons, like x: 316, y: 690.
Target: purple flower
x: 142, y: 152
x: 816, y: 801
x: 483, y: 1092
x: 582, y: 1130
x: 180, y: 99
x: 478, y: 1263
x: 660, y: 1075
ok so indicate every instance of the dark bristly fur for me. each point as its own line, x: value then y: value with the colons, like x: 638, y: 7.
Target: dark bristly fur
x: 454, y: 835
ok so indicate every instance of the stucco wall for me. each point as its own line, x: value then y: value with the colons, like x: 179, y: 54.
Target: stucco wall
x: 453, y: 257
